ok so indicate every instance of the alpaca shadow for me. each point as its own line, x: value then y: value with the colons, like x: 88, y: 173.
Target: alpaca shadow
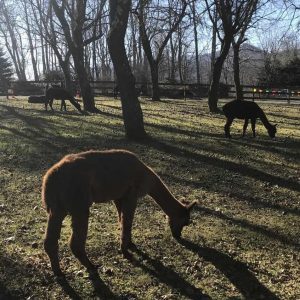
x: 166, y: 275
x: 236, y: 272
x: 101, y: 290
x: 68, y: 289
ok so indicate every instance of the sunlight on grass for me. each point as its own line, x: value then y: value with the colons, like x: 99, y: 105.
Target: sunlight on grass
x: 244, y: 239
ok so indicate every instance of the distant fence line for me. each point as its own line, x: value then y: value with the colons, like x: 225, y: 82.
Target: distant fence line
x: 168, y: 90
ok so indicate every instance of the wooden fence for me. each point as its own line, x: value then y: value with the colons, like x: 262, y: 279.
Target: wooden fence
x: 167, y: 90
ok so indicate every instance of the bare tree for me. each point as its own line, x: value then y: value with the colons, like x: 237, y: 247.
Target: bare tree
x: 196, y: 22
x: 132, y: 112
x: 13, y: 39
x: 238, y: 40
x: 150, y: 39
x: 28, y: 29
x: 231, y: 19
x: 72, y: 17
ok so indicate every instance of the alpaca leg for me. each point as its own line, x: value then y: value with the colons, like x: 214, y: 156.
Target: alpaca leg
x: 118, y: 204
x: 78, y: 239
x: 253, y: 121
x: 245, y: 126
x: 227, y: 127
x: 127, y: 214
x: 63, y: 105
x: 51, y: 240
x: 50, y: 104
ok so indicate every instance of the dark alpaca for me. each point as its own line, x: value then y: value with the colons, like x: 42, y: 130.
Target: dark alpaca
x: 246, y: 110
x: 73, y: 184
x: 37, y: 99
x: 43, y: 99
x: 60, y: 94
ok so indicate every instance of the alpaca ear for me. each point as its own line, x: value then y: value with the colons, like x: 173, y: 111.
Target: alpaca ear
x: 191, y: 205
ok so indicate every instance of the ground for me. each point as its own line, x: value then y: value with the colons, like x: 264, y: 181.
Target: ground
x: 243, y: 242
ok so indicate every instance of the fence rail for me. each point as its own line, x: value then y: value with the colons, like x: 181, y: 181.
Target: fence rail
x: 168, y: 90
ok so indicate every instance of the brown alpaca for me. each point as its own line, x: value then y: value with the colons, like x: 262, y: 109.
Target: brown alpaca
x: 78, y: 180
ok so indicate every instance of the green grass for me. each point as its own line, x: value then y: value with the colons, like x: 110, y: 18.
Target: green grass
x: 244, y: 240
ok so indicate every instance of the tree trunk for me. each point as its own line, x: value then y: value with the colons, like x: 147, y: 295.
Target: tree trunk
x: 172, y: 64
x: 213, y: 93
x: 196, y: 41
x: 84, y: 83
x: 65, y: 66
x: 134, y: 45
x: 213, y: 47
x: 155, y: 85
x: 180, y: 71
x: 132, y: 112
x: 31, y: 47
x: 148, y: 53
x: 154, y: 62
x: 236, y: 72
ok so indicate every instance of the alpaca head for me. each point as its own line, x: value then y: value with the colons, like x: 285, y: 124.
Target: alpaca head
x: 272, y: 131
x: 183, y: 219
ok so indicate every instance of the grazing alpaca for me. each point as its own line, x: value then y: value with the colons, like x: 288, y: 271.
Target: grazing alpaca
x: 246, y: 110
x: 60, y: 94
x: 78, y: 180
x: 43, y: 99
x: 37, y: 99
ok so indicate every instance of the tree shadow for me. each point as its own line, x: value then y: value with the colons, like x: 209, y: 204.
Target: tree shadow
x: 224, y: 164
x: 254, y: 227
x: 238, y: 196
x: 285, y: 117
x: 42, y: 135
x: 166, y: 275
x: 237, y: 272
x: 266, y: 144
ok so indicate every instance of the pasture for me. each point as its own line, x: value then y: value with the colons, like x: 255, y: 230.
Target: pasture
x: 244, y: 239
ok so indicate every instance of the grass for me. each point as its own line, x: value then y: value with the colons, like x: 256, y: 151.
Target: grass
x: 244, y: 240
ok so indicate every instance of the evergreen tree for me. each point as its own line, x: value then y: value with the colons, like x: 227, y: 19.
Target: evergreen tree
x: 290, y: 73
x: 281, y: 75
x: 5, y: 69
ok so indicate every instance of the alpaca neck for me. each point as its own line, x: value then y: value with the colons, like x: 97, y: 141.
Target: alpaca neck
x: 264, y: 119
x: 164, y: 198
